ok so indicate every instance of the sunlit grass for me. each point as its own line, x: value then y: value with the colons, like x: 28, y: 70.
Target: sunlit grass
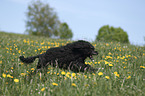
x: 121, y: 70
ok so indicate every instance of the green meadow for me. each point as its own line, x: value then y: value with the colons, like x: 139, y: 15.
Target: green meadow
x: 121, y: 70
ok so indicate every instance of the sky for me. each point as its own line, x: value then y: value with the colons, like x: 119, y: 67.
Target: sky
x: 84, y: 17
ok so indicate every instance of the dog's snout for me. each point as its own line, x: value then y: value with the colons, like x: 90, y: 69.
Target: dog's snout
x: 94, y: 53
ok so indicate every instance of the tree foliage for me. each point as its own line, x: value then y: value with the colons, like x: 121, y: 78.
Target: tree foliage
x: 65, y: 32
x: 107, y: 33
x: 42, y: 20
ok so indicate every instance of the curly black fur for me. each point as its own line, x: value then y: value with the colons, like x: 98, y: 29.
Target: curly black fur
x: 72, y: 56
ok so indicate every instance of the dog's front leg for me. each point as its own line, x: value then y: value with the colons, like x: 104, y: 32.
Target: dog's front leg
x: 76, y: 67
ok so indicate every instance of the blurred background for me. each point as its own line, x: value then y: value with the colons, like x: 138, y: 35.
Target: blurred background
x: 76, y: 19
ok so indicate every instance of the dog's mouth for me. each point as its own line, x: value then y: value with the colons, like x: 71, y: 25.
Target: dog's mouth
x: 93, y: 53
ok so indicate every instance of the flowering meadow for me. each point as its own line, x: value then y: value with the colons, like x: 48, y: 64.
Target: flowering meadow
x: 121, y: 70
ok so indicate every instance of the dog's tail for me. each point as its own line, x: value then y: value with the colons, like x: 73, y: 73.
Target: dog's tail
x: 28, y: 59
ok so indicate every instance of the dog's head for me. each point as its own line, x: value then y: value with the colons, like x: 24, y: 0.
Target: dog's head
x: 84, y: 48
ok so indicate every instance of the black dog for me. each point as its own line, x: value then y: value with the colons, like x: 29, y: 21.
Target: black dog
x: 72, y: 56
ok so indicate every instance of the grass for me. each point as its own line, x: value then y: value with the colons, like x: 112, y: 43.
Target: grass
x: 121, y: 70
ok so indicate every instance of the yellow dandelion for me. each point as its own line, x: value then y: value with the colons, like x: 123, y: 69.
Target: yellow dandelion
x: 128, y: 77
x: 73, y: 74
x: 0, y: 62
x: 107, y: 77
x: 107, y: 44
x: 57, y: 74
x: 4, y: 75
x: 23, y: 74
x: 16, y: 80
x: 85, y: 76
x: 115, y: 72
x: 32, y: 69
x: 110, y: 53
x: 142, y: 67
x: 42, y: 89
x: 8, y: 75
x: 73, y: 84
x: 106, y: 62
x: 111, y: 65
x: 19, y: 51
x: 55, y: 84
x: 68, y: 73
x: 100, y: 73
x: 24, y: 41
x: 48, y: 72
x: 63, y: 73
x: 93, y: 74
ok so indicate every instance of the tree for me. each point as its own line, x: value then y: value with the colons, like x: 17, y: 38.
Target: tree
x: 42, y: 20
x: 107, y: 33
x: 65, y: 32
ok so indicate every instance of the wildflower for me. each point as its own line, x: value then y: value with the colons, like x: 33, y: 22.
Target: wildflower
x: 57, y: 74
x: 128, y: 77
x: 100, y: 73
x: 85, y: 76
x: 73, y: 74
x: 98, y: 62
x: 124, y: 67
x: 22, y: 63
x: 93, y: 74
x: 115, y: 72
x: 106, y: 62
x: 4, y: 75
x: 16, y: 80
x: 0, y: 62
x: 111, y: 65
x: 55, y: 84
x: 107, y: 44
x: 24, y: 41
x: 9, y: 76
x: 32, y: 69
x: 73, y: 84
x: 68, y: 73
x: 48, y: 72
x: 23, y: 74
x: 42, y: 89
x: 142, y: 67
x: 117, y: 75
x: 110, y: 53
x: 63, y: 73
x: 19, y: 51
x: 107, y: 77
